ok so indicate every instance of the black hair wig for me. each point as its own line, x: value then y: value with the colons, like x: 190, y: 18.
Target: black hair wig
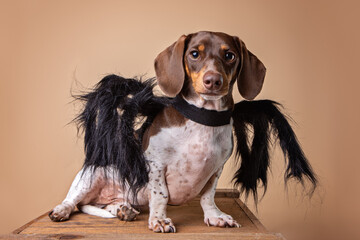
x: 265, y: 117
x: 109, y: 118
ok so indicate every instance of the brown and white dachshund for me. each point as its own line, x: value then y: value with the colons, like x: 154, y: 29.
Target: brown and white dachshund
x: 185, y: 158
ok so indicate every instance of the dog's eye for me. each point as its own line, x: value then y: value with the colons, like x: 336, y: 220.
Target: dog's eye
x: 229, y: 56
x: 194, y: 54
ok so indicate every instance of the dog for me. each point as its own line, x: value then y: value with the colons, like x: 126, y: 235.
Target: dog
x: 180, y: 150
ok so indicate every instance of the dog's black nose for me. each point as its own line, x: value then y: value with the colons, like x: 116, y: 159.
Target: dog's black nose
x: 212, y: 81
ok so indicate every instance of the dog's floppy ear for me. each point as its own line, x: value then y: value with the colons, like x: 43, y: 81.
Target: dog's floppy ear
x: 251, y: 74
x: 169, y: 68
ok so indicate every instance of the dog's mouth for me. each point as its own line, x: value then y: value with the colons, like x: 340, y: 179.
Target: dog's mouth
x: 211, y: 96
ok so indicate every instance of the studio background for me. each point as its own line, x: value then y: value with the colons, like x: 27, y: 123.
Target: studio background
x: 311, y: 51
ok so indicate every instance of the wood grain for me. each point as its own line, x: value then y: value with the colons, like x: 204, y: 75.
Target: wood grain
x: 137, y: 236
x: 187, y: 218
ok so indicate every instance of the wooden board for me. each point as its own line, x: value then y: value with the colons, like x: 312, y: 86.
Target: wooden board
x: 187, y: 218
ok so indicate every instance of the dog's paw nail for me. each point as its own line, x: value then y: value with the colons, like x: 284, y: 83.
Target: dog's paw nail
x: 207, y: 222
x: 223, y: 222
x: 172, y: 229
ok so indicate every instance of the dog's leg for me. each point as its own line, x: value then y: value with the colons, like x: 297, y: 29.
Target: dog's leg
x: 82, y: 184
x: 158, y: 221
x: 212, y: 215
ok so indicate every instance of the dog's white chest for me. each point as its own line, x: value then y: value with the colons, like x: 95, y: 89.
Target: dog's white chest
x: 191, y: 153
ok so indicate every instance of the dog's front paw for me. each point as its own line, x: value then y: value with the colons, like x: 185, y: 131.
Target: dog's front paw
x: 61, y: 212
x: 161, y: 225
x: 223, y: 220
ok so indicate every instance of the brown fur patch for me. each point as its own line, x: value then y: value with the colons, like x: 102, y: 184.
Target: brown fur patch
x: 169, y: 117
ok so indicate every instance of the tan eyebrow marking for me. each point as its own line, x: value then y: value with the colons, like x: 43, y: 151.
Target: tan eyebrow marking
x: 201, y: 47
x: 224, y: 47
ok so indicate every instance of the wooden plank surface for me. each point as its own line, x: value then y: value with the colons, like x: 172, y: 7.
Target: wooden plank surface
x: 187, y: 218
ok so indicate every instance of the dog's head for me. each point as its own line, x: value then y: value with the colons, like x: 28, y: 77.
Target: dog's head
x: 208, y: 64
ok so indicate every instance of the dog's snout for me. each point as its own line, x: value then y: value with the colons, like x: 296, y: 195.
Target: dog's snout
x: 212, y: 80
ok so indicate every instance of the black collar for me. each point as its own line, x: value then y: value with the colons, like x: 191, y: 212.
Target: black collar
x: 203, y: 116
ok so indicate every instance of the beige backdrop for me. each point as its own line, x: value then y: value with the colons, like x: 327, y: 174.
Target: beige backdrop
x: 311, y: 51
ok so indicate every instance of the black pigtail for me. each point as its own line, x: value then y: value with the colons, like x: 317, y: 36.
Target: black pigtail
x: 265, y: 118
x: 298, y: 165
